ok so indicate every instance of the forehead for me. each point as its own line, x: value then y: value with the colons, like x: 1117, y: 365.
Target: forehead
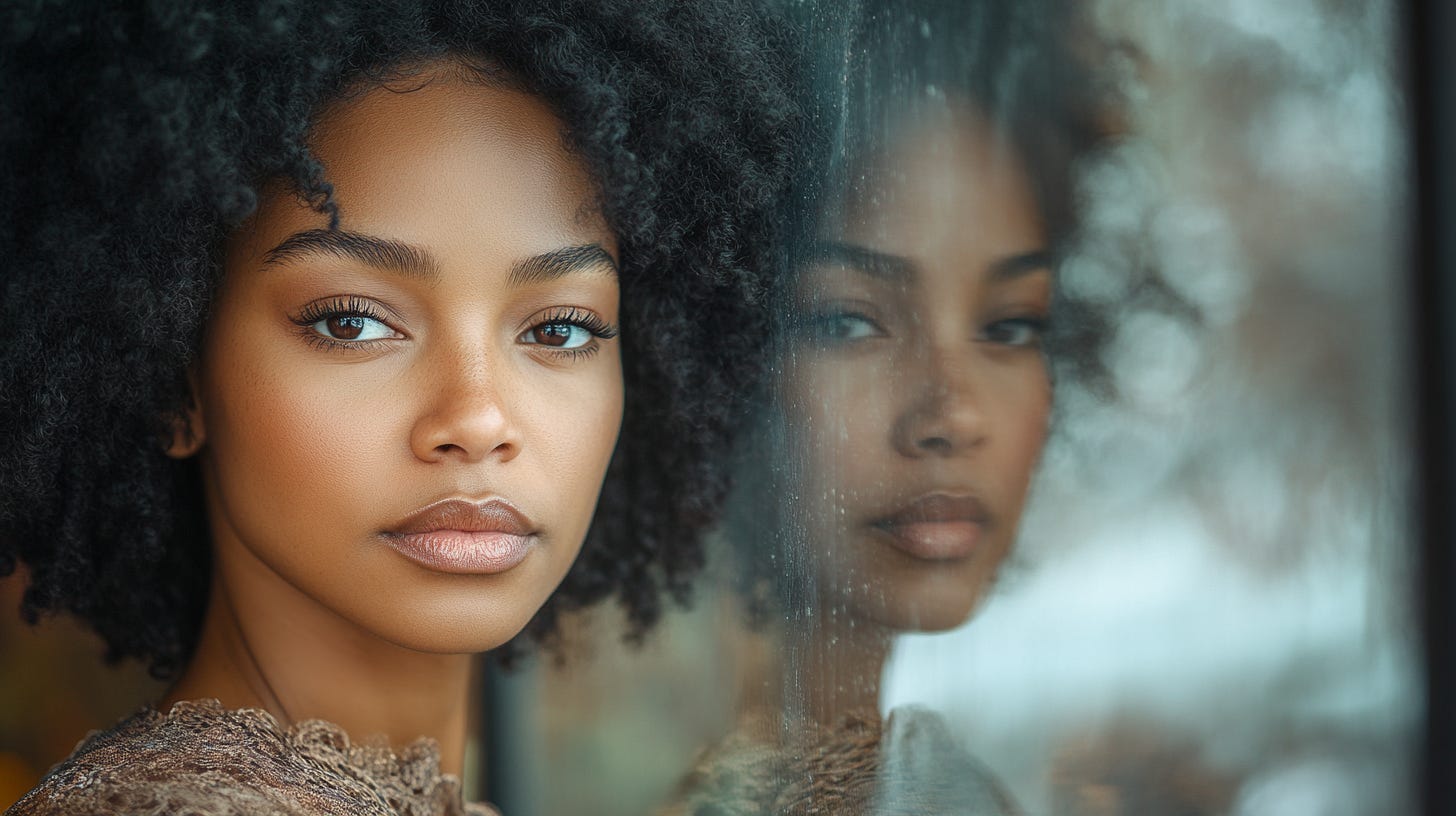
x: 459, y: 164
x: 943, y: 178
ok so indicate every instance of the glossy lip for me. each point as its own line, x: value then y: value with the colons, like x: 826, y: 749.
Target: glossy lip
x: 464, y: 537
x: 937, y: 526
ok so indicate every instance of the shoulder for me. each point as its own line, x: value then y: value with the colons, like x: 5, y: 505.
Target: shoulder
x: 203, y: 759
x: 925, y: 769
x: 763, y: 767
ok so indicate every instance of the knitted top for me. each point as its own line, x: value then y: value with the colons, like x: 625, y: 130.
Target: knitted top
x: 203, y: 759
x: 908, y: 766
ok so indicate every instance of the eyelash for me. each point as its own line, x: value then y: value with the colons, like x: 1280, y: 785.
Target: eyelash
x: 344, y: 306
x: 354, y: 306
x: 814, y: 325
x: 819, y: 325
x: 570, y: 315
x: 1036, y: 325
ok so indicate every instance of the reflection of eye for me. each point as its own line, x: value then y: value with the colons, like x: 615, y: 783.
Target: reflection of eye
x: 344, y: 321
x: 842, y: 326
x: 1016, y: 331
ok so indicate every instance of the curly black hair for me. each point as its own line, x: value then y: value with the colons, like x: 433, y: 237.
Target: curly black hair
x: 134, y: 137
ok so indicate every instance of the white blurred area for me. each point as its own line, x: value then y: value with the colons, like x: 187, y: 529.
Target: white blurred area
x: 1212, y: 606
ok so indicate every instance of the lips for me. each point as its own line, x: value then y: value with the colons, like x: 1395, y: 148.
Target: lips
x: 464, y: 537
x: 937, y: 527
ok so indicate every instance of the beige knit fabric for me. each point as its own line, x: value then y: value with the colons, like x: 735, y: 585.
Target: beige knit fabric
x: 204, y: 760
x: 908, y: 766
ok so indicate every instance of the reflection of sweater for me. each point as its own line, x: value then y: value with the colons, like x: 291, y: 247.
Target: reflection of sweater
x: 862, y: 767
x: 203, y: 759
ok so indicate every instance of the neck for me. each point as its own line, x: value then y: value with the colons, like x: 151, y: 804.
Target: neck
x: 833, y: 668
x: 286, y: 654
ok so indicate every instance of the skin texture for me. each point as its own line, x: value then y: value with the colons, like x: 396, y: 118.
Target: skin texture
x: 914, y: 369
x: 311, y: 449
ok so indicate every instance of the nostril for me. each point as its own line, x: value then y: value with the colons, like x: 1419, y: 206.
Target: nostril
x: 936, y: 444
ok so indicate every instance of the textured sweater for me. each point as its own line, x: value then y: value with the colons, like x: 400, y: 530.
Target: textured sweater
x: 908, y: 766
x: 203, y: 759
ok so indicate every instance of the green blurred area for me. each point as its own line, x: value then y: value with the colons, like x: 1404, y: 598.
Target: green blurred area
x: 54, y: 689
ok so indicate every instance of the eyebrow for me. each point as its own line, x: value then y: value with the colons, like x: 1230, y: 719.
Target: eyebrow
x: 559, y: 263
x: 388, y: 255
x: 378, y: 253
x: 899, y: 269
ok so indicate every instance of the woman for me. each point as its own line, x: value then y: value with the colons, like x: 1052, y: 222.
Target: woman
x: 333, y: 331
x: 912, y: 393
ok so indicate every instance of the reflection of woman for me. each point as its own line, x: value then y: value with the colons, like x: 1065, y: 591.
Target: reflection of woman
x: 319, y: 328
x: 914, y: 386
x: 913, y: 393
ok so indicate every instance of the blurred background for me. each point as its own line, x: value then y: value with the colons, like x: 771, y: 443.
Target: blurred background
x: 1214, y: 610
x: 1211, y: 607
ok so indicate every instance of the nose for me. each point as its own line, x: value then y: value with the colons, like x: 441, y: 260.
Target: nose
x: 464, y: 415
x: 943, y: 415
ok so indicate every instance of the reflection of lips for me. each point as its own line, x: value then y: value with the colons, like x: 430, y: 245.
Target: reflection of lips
x: 462, y: 537
x: 937, y: 527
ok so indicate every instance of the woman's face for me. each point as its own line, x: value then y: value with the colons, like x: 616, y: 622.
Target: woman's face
x: 405, y: 424
x: 914, y: 386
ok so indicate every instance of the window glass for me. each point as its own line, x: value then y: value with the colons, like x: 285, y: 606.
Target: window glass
x: 1080, y: 483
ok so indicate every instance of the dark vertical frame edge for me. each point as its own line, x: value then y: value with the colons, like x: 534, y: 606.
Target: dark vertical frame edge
x: 502, y: 718
x: 1430, y: 68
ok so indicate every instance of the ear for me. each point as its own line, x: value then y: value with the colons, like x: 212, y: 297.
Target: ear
x: 186, y: 431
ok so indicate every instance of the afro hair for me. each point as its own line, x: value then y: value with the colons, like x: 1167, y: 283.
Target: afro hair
x: 135, y: 137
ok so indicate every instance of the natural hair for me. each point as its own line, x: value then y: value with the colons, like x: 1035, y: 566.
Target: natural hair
x: 135, y: 137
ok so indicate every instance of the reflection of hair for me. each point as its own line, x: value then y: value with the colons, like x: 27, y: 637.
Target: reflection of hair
x: 1024, y: 65
x: 1013, y: 61
x: 875, y: 64
x: 134, y: 138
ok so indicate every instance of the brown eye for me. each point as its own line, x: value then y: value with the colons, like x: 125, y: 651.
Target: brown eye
x: 566, y: 329
x: 559, y: 335
x: 1022, y: 331
x: 843, y: 326
x: 345, y: 328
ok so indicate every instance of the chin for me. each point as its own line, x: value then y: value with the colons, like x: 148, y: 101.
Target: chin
x: 449, y: 637
x: 925, y: 618
x: 939, y: 607
x: 467, y: 622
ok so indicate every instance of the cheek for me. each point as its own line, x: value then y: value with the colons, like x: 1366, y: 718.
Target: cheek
x: 1020, y: 424
x: 840, y: 413
x: 572, y: 422
x: 295, y: 444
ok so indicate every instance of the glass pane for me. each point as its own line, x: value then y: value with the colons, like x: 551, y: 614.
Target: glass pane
x: 1205, y: 606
